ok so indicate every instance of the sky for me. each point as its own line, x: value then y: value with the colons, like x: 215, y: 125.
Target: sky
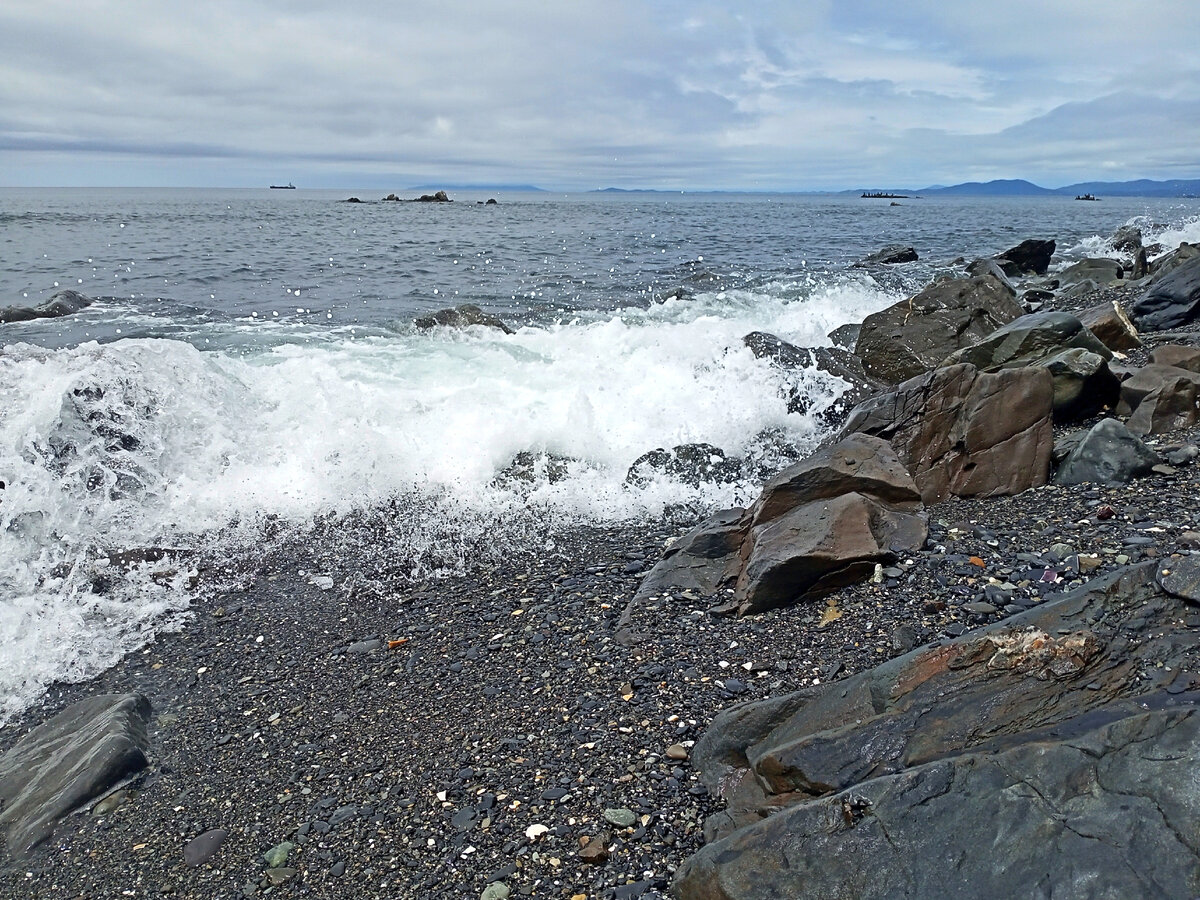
x: 581, y: 94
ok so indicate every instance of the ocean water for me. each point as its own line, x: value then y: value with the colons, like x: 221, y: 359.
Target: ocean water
x: 251, y: 365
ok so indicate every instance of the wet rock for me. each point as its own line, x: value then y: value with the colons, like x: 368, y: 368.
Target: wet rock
x: 890, y: 255
x: 63, y: 303
x: 463, y: 316
x: 845, y: 336
x: 1126, y: 239
x: 1031, y: 256
x: 693, y: 464
x: 832, y: 360
x: 963, y: 432
x: 1111, y: 326
x: 1108, y: 454
x: 68, y: 760
x: 703, y: 560
x: 1028, y: 339
x: 1172, y: 300
x: 914, y: 335
x: 1181, y: 578
x: 533, y: 467
x: 439, y: 197
x: 1169, y: 262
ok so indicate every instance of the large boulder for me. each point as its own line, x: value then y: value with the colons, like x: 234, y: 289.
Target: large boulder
x: 463, y: 316
x: 1084, y: 385
x: 1180, y: 356
x: 1108, y: 454
x: 1171, y: 300
x: 1032, y: 256
x: 1169, y: 262
x: 1068, y: 730
x: 1172, y: 406
x: 964, y: 432
x: 1111, y: 326
x: 63, y: 303
x: 834, y: 361
x: 1100, y: 271
x: 914, y: 335
x: 69, y: 760
x: 1147, y: 380
x: 1127, y: 239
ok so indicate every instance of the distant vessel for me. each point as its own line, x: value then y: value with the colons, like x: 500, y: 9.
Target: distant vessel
x: 1086, y: 197
x: 283, y: 187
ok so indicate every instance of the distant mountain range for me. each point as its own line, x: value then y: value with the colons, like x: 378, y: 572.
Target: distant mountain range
x: 1015, y: 187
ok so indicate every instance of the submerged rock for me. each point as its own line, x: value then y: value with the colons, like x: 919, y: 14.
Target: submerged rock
x: 463, y: 316
x: 888, y: 256
x: 63, y: 303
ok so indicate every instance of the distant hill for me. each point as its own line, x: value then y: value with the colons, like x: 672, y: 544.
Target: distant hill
x: 1021, y: 188
x: 1007, y: 187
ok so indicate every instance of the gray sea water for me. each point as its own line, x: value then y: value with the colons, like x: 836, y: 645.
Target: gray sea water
x: 251, y: 359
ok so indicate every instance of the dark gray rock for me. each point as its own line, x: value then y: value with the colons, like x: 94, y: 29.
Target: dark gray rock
x: 1108, y: 454
x: 1181, y: 578
x: 994, y: 267
x: 845, y: 336
x: 1168, y: 262
x: 1144, y: 381
x: 863, y: 787
x: 63, y: 763
x: 1127, y: 239
x: 1172, y: 300
x: 462, y: 317
x: 533, y: 467
x: 1084, y: 385
x: 832, y: 360
x: 1100, y: 271
x: 200, y: 850
x: 1032, y: 256
x: 963, y: 432
x: 890, y: 255
x: 703, y: 560
x: 1027, y: 340
x: 63, y: 303
x: 914, y: 335
x: 693, y: 464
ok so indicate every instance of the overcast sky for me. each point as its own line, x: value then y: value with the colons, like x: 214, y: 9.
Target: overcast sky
x: 578, y: 94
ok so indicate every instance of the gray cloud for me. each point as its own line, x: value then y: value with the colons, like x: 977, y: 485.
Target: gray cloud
x: 702, y: 94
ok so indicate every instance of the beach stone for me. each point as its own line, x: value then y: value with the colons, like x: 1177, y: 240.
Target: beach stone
x: 693, y: 464
x: 533, y: 466
x: 201, y: 849
x: 67, y: 761
x: 497, y: 890
x: 1126, y: 239
x: 851, y: 788
x: 914, y: 335
x: 996, y: 270
x: 965, y: 433
x: 1181, y: 578
x: 1084, y: 385
x: 1108, y: 454
x: 1171, y: 406
x: 62, y: 303
x: 1100, y: 271
x: 463, y: 316
x: 1179, y: 356
x: 890, y: 255
x: 278, y: 854
x: 1028, y: 339
x: 1111, y: 326
x: 1031, y: 256
x: 1147, y: 380
x: 622, y: 818
x: 1172, y: 300
x: 1169, y: 262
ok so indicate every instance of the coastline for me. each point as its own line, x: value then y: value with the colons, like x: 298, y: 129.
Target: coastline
x: 281, y: 713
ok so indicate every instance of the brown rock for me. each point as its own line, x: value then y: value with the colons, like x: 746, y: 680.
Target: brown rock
x: 1112, y: 326
x: 1171, y: 406
x: 1179, y: 355
x: 1148, y: 379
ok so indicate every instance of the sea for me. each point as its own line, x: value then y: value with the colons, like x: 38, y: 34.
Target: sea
x: 251, y: 367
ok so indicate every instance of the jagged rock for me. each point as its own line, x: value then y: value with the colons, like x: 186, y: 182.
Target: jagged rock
x: 1035, y: 298
x: 1030, y: 256
x: 1168, y: 262
x: 63, y: 303
x: 914, y: 335
x: 833, y: 360
x: 1100, y: 271
x: 890, y: 255
x: 462, y: 317
x: 1144, y: 381
x: 1084, y: 385
x: 692, y: 464
x: 1171, y: 406
x: 1177, y: 355
x: 530, y: 466
x: 1108, y: 454
x: 881, y: 785
x: 1141, y: 265
x: 826, y: 521
x: 703, y: 560
x: 1111, y: 326
x: 1173, y: 299
x: 845, y: 336
x: 964, y: 432
x: 68, y: 760
x: 996, y: 269
x: 1127, y: 239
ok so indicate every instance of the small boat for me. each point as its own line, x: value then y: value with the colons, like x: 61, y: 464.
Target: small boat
x: 1086, y: 197
x: 283, y: 187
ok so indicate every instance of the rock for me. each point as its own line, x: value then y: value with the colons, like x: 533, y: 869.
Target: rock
x: 1126, y: 239
x: 693, y: 464
x: 1148, y: 379
x: 497, y: 890
x: 352, y: 200
x: 1141, y: 265
x: 65, y: 762
x: 1173, y: 299
x: 856, y: 788
x: 1181, y: 578
x: 622, y: 818
x: 1177, y: 355
x: 914, y: 335
x: 1171, y: 406
x: 200, y: 850
x: 491, y: 201
x: 533, y: 467
x: 994, y: 268
x: 1111, y: 326
x: 826, y: 521
x: 63, y: 303
x: 845, y: 336
x: 890, y: 255
x: 1030, y: 256
x: 1099, y: 271
x: 1168, y: 262
x: 462, y: 317
x: 439, y: 197
x: 703, y: 560
x: 1027, y: 340
x: 595, y: 852
x: 277, y: 855
x: 1084, y: 385
x: 832, y: 360
x: 677, y: 752
x: 963, y: 432
x: 1108, y: 454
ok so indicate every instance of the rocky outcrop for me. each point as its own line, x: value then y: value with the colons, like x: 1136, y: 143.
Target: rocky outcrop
x: 1111, y: 326
x: 1173, y: 299
x: 1127, y: 239
x: 1168, y: 262
x: 693, y: 464
x: 67, y: 761
x: 964, y: 432
x: 1030, y: 257
x: 462, y: 317
x: 888, y: 256
x: 882, y: 784
x: 1108, y: 454
x: 62, y: 303
x: 834, y: 361
x: 916, y: 334
x: 439, y: 197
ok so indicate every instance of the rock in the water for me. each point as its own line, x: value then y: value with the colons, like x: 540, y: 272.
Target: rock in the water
x: 859, y: 788
x: 994, y: 268
x: 831, y: 360
x: 1168, y: 262
x: 845, y: 336
x: 963, y: 432
x: 1030, y: 256
x: 1171, y: 300
x: 439, y: 197
x: 693, y: 464
x: 1108, y: 454
x: 914, y: 335
x: 462, y: 317
x: 890, y: 255
x: 1127, y: 239
x: 62, y: 303
x: 532, y: 467
x: 200, y: 850
x: 1111, y: 326
x: 65, y: 762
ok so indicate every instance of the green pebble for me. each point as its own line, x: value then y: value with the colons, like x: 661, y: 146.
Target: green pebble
x: 622, y: 818
x: 278, y: 854
x: 497, y: 890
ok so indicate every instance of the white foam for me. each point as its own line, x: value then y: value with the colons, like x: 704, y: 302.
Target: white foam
x: 152, y: 442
